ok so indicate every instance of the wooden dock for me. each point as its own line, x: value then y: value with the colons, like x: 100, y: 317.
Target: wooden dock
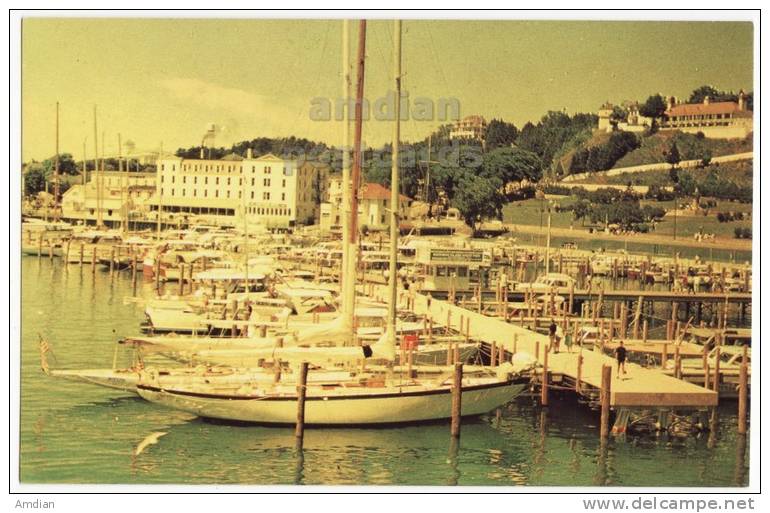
x: 641, y: 387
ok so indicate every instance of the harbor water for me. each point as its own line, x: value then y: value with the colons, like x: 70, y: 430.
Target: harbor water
x: 75, y: 433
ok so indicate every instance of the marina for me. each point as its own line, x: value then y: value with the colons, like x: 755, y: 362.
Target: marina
x: 286, y: 311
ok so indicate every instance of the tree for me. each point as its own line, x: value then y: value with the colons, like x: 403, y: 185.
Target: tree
x: 506, y: 165
x: 619, y: 114
x: 698, y: 95
x: 674, y: 158
x: 67, y: 165
x: 34, y: 182
x: 500, y: 134
x: 654, y: 108
x: 477, y: 198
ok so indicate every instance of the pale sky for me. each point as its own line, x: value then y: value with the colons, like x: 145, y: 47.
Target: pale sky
x: 165, y: 79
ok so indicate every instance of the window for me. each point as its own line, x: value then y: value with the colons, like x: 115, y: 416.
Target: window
x: 173, y: 178
x: 195, y: 192
x: 161, y: 191
x: 382, y: 219
x: 228, y: 181
x: 266, y: 182
x: 283, y: 196
x: 205, y: 193
x: 283, y: 182
x: 252, y: 182
x: 265, y: 195
x: 206, y: 180
x: 172, y: 192
x: 163, y: 167
x: 184, y: 179
x: 252, y: 194
x: 195, y: 180
x: 253, y: 169
x: 184, y: 191
x: 217, y: 182
x: 162, y: 178
x: 228, y: 194
x: 267, y: 170
x: 216, y: 193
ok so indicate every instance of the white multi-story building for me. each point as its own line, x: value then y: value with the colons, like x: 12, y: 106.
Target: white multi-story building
x: 471, y: 127
x: 373, y: 207
x: 268, y: 190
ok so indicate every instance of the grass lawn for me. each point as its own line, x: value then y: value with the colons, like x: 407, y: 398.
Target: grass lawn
x: 528, y: 212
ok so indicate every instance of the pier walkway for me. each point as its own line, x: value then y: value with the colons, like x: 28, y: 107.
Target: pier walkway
x: 641, y: 387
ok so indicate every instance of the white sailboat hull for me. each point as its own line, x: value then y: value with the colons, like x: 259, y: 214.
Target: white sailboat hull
x: 369, y: 406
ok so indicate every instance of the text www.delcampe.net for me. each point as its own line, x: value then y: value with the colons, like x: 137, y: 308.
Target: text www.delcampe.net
x: 673, y: 504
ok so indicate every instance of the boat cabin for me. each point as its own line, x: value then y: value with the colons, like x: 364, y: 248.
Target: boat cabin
x: 453, y: 268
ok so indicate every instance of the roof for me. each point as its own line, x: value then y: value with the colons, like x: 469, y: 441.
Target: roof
x: 702, y: 109
x: 232, y: 156
x: 375, y: 191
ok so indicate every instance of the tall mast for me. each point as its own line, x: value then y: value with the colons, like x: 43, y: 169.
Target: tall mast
x: 123, y: 206
x: 96, y: 172
x: 85, y: 168
x: 348, y: 293
x: 350, y: 289
x: 158, y: 187
x: 101, y: 180
x: 394, y: 188
x: 56, y: 171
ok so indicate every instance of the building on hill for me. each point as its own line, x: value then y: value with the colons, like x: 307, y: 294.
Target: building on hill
x: 634, y: 122
x: 470, y: 127
x: 268, y: 190
x: 716, y: 120
x: 373, y: 207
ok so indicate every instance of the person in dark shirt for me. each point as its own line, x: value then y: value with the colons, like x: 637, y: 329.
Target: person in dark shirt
x: 620, y: 354
x: 554, y: 338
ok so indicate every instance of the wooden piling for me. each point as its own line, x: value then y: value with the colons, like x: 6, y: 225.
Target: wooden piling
x: 605, y: 394
x: 645, y: 330
x: 134, y: 265
x: 181, y: 279
x: 93, y: 259
x: 457, y: 393
x: 743, y: 393
x: 299, y: 431
x: 664, y: 356
x: 80, y: 261
x: 716, y: 380
x: 677, y: 363
x: 544, y: 387
x: 579, y: 376
x: 493, y: 354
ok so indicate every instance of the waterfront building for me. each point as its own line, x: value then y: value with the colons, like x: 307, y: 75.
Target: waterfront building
x: 373, y: 206
x: 133, y: 190
x: 470, y: 127
x: 267, y: 190
x: 634, y: 122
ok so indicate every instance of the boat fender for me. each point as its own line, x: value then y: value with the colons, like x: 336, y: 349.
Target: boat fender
x: 367, y: 351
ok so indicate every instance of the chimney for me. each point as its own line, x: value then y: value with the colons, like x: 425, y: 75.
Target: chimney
x: 741, y: 100
x: 671, y: 102
x: 706, y: 100
x: 202, y: 156
x: 248, y: 153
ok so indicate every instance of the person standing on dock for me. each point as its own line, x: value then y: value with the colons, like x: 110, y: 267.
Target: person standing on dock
x: 620, y: 354
x: 553, y: 336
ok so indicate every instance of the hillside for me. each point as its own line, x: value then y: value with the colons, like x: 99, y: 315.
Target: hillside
x: 739, y: 173
x: 653, y: 148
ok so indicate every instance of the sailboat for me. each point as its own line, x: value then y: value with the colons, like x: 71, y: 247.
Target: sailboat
x: 355, y: 396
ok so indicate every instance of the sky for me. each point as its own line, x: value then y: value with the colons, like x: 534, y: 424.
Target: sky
x: 163, y: 81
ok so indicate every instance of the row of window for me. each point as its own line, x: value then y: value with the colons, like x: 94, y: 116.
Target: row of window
x: 272, y: 211
x: 217, y: 168
x: 265, y: 181
x: 265, y: 194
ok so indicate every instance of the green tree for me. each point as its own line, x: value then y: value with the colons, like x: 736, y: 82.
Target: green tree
x: 34, y: 182
x: 619, y: 114
x: 506, y: 165
x: 477, y: 198
x: 674, y: 158
x: 67, y: 165
x: 500, y: 134
x: 654, y: 108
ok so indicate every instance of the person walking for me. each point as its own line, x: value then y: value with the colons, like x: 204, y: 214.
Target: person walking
x: 553, y: 337
x: 620, y: 355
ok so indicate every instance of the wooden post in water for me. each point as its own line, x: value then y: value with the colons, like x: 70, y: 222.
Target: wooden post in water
x: 579, y: 376
x: 544, y: 387
x: 716, y: 370
x: 743, y: 393
x: 677, y: 363
x: 93, y: 259
x: 645, y: 330
x: 181, y: 279
x: 605, y: 394
x: 457, y: 394
x: 299, y: 431
x: 134, y: 265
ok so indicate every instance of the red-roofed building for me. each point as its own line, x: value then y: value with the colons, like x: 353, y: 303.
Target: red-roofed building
x: 373, y: 206
x: 717, y: 120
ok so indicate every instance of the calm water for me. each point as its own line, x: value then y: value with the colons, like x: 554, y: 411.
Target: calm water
x: 74, y: 433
